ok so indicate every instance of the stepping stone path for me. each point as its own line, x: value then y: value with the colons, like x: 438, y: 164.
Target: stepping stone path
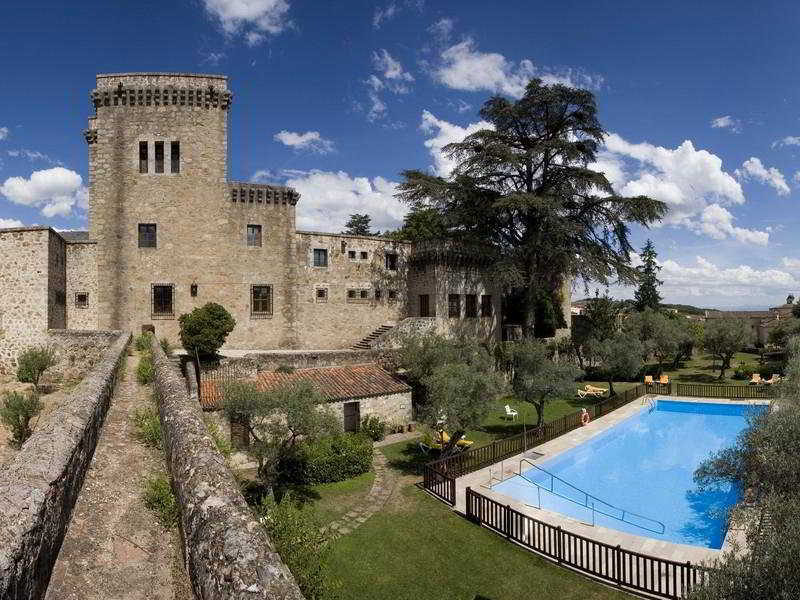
x: 382, y: 488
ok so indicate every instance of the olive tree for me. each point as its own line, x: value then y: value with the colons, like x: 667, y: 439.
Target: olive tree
x: 725, y: 337
x: 619, y: 358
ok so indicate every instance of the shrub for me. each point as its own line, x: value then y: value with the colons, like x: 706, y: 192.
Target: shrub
x: 166, y: 346
x: 145, y: 370
x: 33, y: 362
x: 16, y: 414
x: 147, y: 426
x: 205, y: 328
x: 285, y: 369
x: 142, y: 342
x: 333, y: 458
x: 744, y: 370
x: 222, y: 443
x: 159, y: 498
x: 373, y: 427
x: 303, y: 548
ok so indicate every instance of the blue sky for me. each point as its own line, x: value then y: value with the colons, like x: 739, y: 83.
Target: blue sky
x: 700, y: 100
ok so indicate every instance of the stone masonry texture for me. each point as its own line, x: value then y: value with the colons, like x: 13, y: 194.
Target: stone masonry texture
x: 39, y: 488
x: 226, y: 550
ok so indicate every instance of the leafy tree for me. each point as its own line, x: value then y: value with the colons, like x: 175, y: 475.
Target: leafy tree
x: 358, y: 225
x: 602, y: 314
x: 421, y: 224
x: 619, y: 357
x: 667, y: 339
x: 205, y: 328
x: 16, y: 414
x: 33, y: 362
x: 538, y: 379
x: 785, y: 329
x: 524, y: 189
x: 646, y: 295
x: 278, y: 420
x: 725, y: 337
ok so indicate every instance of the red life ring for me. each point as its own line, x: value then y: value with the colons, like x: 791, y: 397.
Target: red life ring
x: 585, y: 418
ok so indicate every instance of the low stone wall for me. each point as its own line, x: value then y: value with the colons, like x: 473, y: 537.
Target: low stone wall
x: 78, y: 351
x: 250, y: 364
x: 38, y: 489
x: 226, y: 550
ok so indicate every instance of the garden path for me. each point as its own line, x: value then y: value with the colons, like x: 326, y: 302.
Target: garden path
x: 114, y: 547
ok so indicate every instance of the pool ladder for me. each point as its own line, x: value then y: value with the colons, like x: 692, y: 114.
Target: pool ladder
x: 590, y: 501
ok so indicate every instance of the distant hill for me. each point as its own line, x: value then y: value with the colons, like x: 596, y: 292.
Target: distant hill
x: 686, y: 309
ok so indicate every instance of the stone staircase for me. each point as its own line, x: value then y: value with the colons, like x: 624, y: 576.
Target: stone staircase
x: 367, y: 342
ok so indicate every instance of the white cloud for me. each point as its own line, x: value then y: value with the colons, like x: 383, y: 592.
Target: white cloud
x: 55, y: 191
x: 213, y: 58
x: 7, y: 223
x: 791, y: 263
x: 464, y: 67
x: 442, y: 29
x: 329, y: 198
x: 753, y: 168
x: 394, y: 79
x: 377, y: 107
x: 3, y: 133
x: 727, y: 122
x: 310, y: 140
x: 392, y: 70
x: 32, y: 155
x: 255, y: 19
x: 445, y: 133
x: 384, y: 14
x: 789, y: 140
x: 717, y: 223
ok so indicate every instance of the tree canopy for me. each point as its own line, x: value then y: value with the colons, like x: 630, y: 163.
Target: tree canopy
x: 619, y: 357
x: 646, y: 295
x: 359, y: 224
x: 725, y: 337
x: 526, y: 189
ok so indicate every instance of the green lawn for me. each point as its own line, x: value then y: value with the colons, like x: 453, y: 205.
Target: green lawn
x: 702, y: 368
x: 417, y: 548
x: 329, y: 501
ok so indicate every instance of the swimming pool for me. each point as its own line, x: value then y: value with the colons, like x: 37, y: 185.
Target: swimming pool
x: 638, y: 474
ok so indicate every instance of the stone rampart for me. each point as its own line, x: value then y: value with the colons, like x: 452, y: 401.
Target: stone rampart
x: 39, y: 488
x: 226, y: 550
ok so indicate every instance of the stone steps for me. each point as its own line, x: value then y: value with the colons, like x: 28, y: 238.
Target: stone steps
x: 366, y: 343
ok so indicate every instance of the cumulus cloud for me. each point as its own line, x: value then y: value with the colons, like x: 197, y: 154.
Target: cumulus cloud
x: 789, y: 140
x: 3, y: 133
x: 753, y: 168
x: 56, y: 191
x: 463, y: 67
x: 717, y: 223
x: 310, y: 141
x: 727, y: 122
x: 254, y: 19
x: 444, y: 133
x: 329, y: 198
x: 6, y: 223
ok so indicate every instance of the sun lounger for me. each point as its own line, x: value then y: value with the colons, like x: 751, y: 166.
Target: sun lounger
x: 591, y: 390
x: 648, y: 380
x: 756, y: 378
x: 775, y: 379
x: 664, y: 380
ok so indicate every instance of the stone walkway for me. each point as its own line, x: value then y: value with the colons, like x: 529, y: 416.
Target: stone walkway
x: 382, y: 488
x: 114, y: 548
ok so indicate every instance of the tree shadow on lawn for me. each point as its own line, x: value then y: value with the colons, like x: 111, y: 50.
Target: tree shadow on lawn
x: 410, y: 459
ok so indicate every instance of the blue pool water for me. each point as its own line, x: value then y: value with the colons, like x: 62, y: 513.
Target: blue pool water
x: 644, y: 464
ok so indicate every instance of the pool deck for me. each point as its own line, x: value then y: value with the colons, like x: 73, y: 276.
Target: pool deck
x: 479, y: 481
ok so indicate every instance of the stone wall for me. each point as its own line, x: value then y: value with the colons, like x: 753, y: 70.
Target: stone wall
x: 82, y: 278
x: 227, y: 552
x: 251, y: 364
x: 39, y: 488
x: 77, y: 351
x: 24, y: 277
x: 56, y: 282
x: 394, y: 409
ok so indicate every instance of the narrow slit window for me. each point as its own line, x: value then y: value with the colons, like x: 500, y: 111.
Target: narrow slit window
x: 424, y: 305
x: 175, y: 156
x: 143, y: 157
x: 159, y: 157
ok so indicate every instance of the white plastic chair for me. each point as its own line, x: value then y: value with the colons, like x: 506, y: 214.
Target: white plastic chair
x: 510, y: 412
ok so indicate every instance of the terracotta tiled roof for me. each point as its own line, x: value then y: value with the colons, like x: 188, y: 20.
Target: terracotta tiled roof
x: 334, y: 383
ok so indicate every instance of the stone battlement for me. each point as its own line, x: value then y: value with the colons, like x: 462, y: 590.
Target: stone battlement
x: 261, y: 193
x: 161, y: 89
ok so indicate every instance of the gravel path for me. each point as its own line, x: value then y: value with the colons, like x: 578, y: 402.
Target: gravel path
x: 114, y: 547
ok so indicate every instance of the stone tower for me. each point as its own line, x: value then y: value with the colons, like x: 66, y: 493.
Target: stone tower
x: 171, y: 231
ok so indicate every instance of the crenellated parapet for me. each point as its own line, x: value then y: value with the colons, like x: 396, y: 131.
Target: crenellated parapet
x: 161, y: 89
x: 261, y: 193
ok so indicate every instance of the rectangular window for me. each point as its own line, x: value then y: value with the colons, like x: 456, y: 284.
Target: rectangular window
x: 322, y: 294
x: 392, y: 294
x: 260, y: 301
x: 454, y: 306
x: 147, y: 235
x: 142, y: 157
x: 254, y: 235
x: 162, y: 300
x: 351, y: 294
x: 344, y: 246
x: 364, y: 294
x: 159, y: 157
x: 351, y: 254
x: 424, y: 305
x: 471, y: 306
x: 320, y: 257
x: 391, y: 262
x: 175, y: 156
x: 81, y: 299
x: 363, y: 255
x: 486, y: 306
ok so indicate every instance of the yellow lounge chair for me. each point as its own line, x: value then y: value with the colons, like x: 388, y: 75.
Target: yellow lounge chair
x: 775, y: 379
x: 663, y: 379
x: 648, y: 380
x: 444, y: 438
x: 590, y: 390
x: 756, y: 378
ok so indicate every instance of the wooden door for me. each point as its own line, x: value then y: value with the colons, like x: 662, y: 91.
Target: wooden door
x: 352, y: 416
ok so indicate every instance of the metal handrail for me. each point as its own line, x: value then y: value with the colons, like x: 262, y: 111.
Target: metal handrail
x: 587, y: 496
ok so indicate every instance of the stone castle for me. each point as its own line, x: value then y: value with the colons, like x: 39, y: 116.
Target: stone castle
x: 169, y: 232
